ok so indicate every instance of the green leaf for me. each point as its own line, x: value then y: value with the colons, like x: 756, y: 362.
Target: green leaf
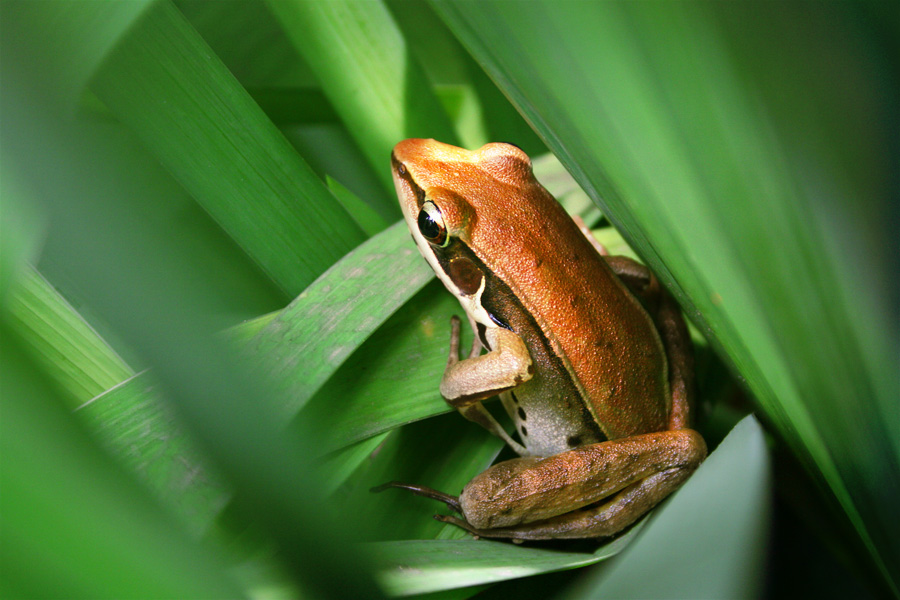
x: 728, y: 499
x: 754, y: 210
x: 66, y: 41
x: 392, y: 379
x: 418, y: 567
x: 364, y: 67
x: 134, y: 424
x: 160, y: 309
x: 23, y: 229
x: 221, y: 147
x: 443, y: 453
x: 364, y: 216
x: 71, y: 352
x: 62, y: 496
x: 313, y: 336
x: 248, y: 38
x: 480, y: 111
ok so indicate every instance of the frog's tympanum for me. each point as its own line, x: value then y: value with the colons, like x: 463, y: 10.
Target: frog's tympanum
x: 589, y: 354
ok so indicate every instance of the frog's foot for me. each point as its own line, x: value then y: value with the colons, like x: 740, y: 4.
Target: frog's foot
x: 478, y: 533
x: 420, y: 490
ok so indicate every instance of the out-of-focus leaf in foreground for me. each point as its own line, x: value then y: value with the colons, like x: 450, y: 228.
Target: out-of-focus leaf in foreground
x: 728, y: 501
x: 74, y: 524
x: 163, y: 311
x: 713, y: 136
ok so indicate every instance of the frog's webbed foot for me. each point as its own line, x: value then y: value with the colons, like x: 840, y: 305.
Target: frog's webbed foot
x: 463, y: 524
x: 420, y: 490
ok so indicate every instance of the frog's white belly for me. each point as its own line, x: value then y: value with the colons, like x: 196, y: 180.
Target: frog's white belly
x: 546, y: 423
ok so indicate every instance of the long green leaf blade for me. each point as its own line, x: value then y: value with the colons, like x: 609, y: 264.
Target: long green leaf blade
x: 72, y: 353
x: 223, y: 149
x: 663, y: 123
x: 418, y: 567
x: 306, y: 343
x: 365, y: 68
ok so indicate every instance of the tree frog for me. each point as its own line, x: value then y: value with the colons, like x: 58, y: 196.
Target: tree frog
x: 589, y: 355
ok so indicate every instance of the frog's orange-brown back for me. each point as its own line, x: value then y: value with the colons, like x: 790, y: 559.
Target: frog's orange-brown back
x: 601, y: 332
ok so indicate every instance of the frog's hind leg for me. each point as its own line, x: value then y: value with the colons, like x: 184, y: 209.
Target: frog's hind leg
x: 603, y: 520
x: 591, y: 491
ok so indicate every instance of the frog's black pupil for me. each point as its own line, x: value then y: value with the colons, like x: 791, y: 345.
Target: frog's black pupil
x: 428, y: 226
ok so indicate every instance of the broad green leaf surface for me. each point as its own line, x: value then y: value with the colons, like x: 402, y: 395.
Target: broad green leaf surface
x: 418, y: 567
x: 316, y: 333
x: 70, y: 351
x: 221, y: 147
x: 66, y: 41
x: 364, y: 67
x: 662, y: 115
x: 393, y: 378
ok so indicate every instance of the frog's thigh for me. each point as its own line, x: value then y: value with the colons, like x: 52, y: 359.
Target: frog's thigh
x: 531, y: 498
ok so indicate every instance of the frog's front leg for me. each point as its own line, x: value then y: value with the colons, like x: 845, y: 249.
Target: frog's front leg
x: 588, y: 492
x: 469, y: 381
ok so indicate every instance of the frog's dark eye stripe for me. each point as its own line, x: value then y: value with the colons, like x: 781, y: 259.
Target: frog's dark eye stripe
x: 431, y: 224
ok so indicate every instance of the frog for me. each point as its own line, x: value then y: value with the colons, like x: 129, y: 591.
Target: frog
x: 588, y: 353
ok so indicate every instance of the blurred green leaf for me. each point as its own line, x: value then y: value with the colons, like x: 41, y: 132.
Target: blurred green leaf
x: 65, y: 42
x: 670, y: 121
x: 73, y: 530
x: 189, y: 111
x: 70, y: 351
x: 367, y: 71
x: 134, y: 424
x: 167, y: 315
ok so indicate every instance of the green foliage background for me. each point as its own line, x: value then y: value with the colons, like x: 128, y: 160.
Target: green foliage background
x: 215, y: 337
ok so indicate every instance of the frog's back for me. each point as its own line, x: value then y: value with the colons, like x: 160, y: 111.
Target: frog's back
x: 596, y: 328
x: 556, y: 292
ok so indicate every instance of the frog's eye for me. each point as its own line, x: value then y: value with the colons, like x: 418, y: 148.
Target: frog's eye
x: 431, y: 224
